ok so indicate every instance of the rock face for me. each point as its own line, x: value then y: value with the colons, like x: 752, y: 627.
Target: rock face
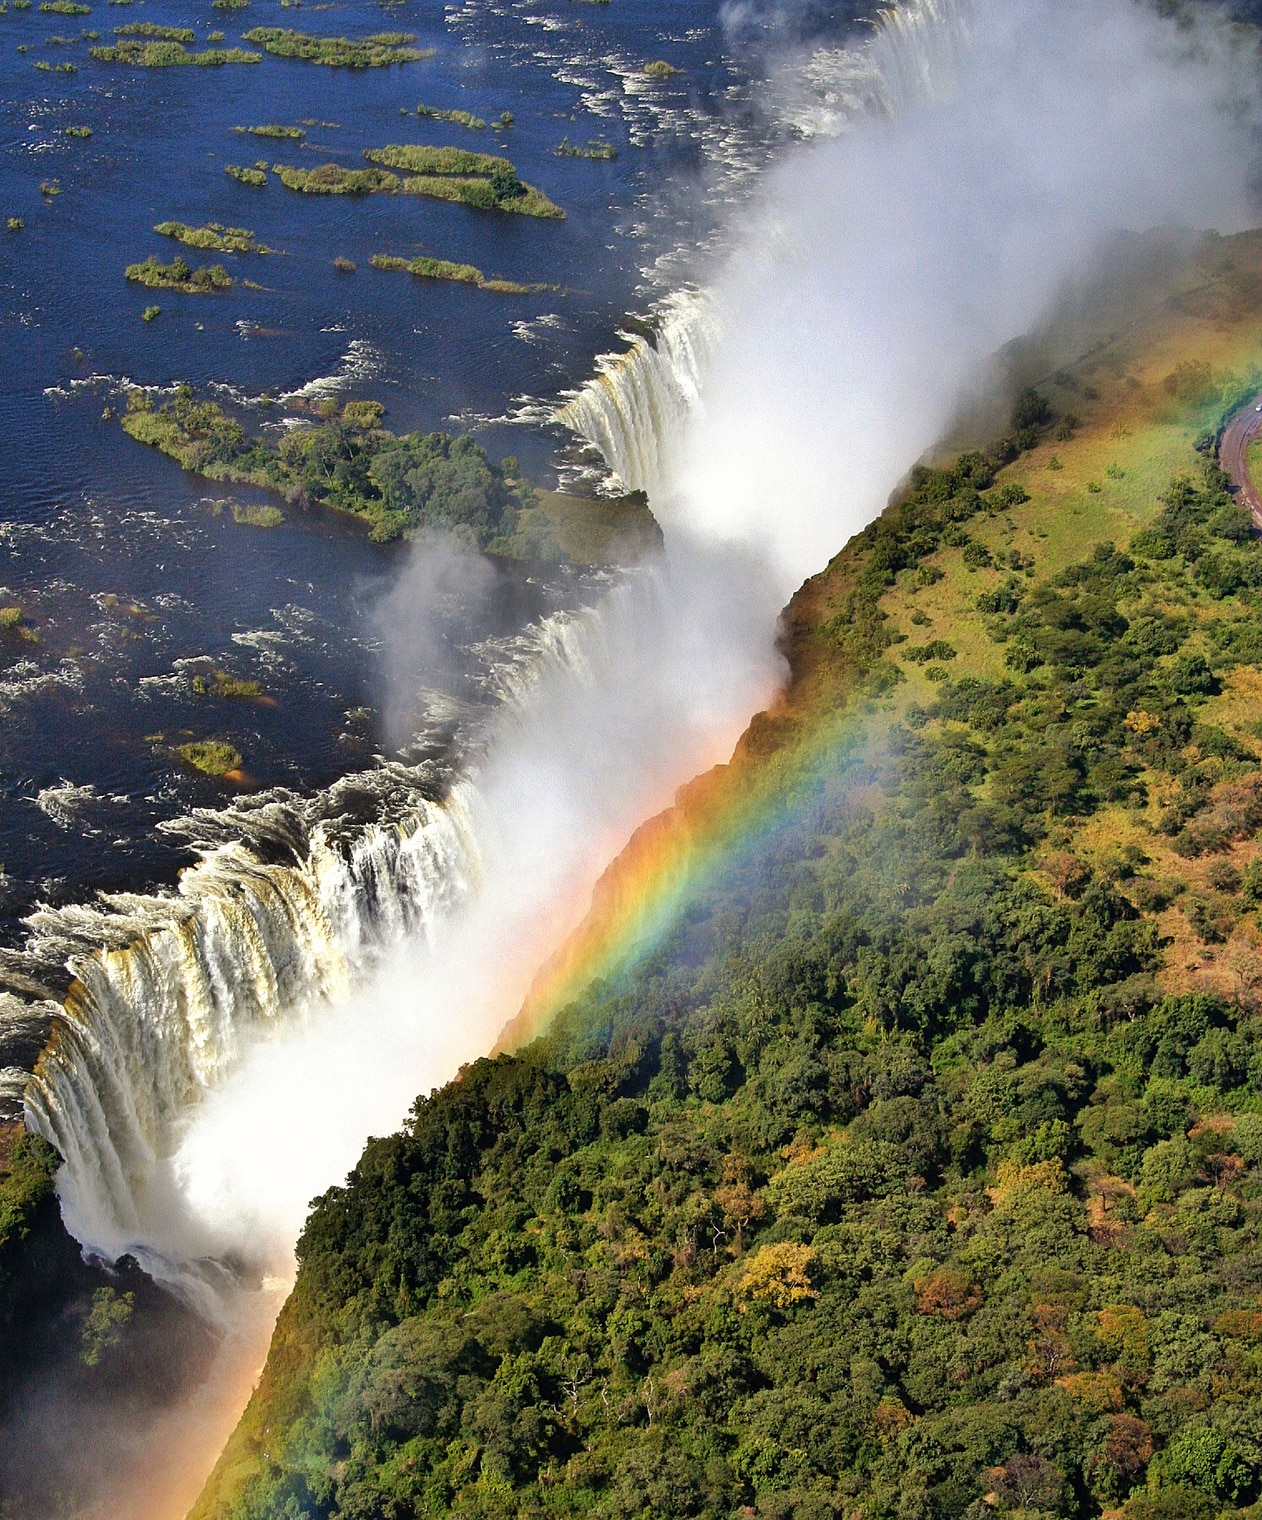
x: 90, y: 1357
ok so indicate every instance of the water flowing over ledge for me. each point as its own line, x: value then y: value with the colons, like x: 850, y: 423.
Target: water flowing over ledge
x: 291, y: 905
x: 636, y: 408
x: 637, y: 404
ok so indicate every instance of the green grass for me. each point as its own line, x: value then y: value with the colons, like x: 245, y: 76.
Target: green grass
x: 64, y: 8
x: 412, y: 158
x: 459, y: 118
x: 599, y: 151
x: 179, y: 276
x: 333, y: 179
x: 660, y: 69
x: 167, y: 55
x: 443, y: 269
x: 156, y: 33
x: 79, y: 132
x: 212, y: 757
x: 247, y: 176
x: 213, y: 236
x: 151, y: 313
x: 10, y: 617
x: 253, y: 516
x: 374, y: 52
x: 294, y: 133
x: 482, y: 181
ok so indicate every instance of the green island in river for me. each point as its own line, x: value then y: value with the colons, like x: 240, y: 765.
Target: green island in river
x: 178, y: 275
x: 214, y: 236
x: 462, y: 274
x: 377, y: 51
x: 166, y: 55
x: 911, y: 1164
x: 399, y: 485
x: 482, y: 181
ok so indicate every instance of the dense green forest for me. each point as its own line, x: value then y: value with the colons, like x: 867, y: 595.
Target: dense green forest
x: 903, y: 1178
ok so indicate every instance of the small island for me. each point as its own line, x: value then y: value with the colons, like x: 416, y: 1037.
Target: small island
x: 210, y: 756
x: 246, y: 175
x: 333, y: 179
x: 462, y: 274
x: 459, y: 118
x: 296, y: 134
x: 155, y: 32
x: 484, y: 181
x: 224, y: 684
x: 166, y: 55
x: 600, y: 151
x: 179, y: 276
x: 401, y: 486
x: 213, y: 236
x: 377, y: 51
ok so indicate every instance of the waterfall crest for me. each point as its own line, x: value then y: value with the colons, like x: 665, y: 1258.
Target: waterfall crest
x: 639, y: 401
x: 636, y: 407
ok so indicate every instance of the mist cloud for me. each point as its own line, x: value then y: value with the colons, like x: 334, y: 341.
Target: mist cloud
x: 881, y: 271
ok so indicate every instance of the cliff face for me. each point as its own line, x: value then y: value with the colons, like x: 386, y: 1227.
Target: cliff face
x: 89, y: 1357
x: 892, y: 1142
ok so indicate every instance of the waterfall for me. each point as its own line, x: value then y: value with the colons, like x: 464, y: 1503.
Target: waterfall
x: 636, y: 406
x: 291, y: 905
x: 186, y: 984
x: 638, y: 401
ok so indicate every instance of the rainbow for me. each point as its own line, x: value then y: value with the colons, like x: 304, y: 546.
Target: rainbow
x: 722, y: 818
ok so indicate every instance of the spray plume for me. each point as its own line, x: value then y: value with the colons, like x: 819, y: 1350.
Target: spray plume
x: 997, y: 150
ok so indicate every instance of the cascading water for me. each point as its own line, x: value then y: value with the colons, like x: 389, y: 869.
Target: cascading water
x: 639, y: 401
x: 636, y: 407
x: 290, y: 908
x: 153, y: 1024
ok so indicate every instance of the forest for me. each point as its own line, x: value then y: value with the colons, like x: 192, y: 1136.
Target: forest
x: 347, y: 461
x: 915, y: 1171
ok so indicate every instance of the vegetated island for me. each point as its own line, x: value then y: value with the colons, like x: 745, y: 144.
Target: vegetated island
x: 399, y: 485
x: 599, y: 151
x: 910, y: 1162
x: 167, y: 55
x: 482, y: 181
x: 246, y: 175
x: 458, y: 117
x: 462, y: 274
x: 214, y: 236
x: 377, y: 51
x: 178, y: 275
x: 212, y: 757
x: 296, y: 134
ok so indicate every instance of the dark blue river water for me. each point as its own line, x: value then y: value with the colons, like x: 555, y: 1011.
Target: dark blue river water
x: 117, y: 559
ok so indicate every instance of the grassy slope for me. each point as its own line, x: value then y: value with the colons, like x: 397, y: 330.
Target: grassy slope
x: 1134, y: 426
